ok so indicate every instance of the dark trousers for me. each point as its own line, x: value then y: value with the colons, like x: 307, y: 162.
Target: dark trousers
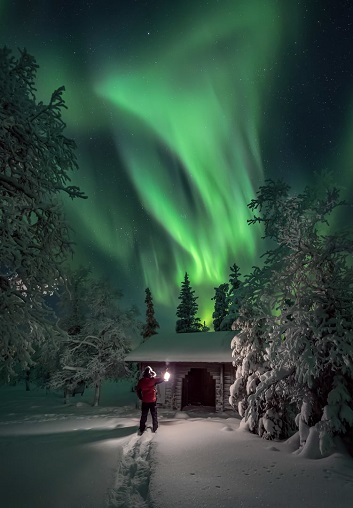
x: 148, y: 406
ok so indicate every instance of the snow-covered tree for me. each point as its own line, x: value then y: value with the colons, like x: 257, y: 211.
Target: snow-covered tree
x: 233, y: 301
x: 249, y: 355
x: 308, y: 281
x: 72, y: 307
x: 151, y: 325
x: 36, y: 160
x: 96, y: 351
x: 187, y: 309
x: 220, y: 306
x: 266, y: 416
x: 46, y: 361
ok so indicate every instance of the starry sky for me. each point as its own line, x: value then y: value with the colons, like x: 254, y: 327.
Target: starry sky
x: 180, y: 111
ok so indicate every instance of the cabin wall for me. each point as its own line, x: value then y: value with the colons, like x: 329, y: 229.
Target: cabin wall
x: 222, y: 373
x: 228, y: 380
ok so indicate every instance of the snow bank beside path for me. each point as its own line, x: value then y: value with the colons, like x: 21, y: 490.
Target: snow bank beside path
x: 212, y: 463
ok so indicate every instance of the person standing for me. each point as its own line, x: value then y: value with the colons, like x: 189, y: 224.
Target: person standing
x: 146, y: 392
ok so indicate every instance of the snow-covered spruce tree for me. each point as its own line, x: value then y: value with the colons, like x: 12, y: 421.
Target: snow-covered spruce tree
x: 35, y: 162
x: 220, y: 306
x: 271, y: 417
x: 249, y: 358
x: 311, y: 351
x: 97, y: 351
x: 151, y: 325
x: 187, y: 309
x: 233, y: 302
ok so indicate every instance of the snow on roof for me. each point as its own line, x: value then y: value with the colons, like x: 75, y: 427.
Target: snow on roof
x: 185, y: 347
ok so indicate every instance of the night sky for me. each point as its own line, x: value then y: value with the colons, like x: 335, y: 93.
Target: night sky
x: 180, y: 110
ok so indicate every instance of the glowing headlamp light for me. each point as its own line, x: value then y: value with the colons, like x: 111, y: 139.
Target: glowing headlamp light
x: 166, y: 376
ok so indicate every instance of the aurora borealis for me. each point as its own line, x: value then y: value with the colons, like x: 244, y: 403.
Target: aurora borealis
x: 180, y: 110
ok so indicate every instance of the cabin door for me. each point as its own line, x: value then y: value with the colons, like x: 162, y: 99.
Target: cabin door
x: 199, y: 389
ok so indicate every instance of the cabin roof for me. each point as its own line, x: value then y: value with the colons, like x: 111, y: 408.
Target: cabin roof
x: 185, y: 347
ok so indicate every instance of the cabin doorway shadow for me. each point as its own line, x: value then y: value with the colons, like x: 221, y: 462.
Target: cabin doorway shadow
x: 199, y: 389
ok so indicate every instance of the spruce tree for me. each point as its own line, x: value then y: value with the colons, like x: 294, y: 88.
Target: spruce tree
x: 187, y: 309
x: 204, y: 327
x: 221, y: 306
x: 150, y: 328
x: 233, y: 298
x: 307, y: 282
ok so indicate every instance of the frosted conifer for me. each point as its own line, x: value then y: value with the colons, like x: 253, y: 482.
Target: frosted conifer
x: 220, y: 306
x: 308, y: 282
x: 151, y: 325
x: 187, y: 309
x: 233, y: 301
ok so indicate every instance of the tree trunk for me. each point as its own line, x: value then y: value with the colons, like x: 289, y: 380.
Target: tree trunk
x: 27, y: 380
x: 97, y: 393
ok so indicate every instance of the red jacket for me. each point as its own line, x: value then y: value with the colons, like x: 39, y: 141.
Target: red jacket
x: 146, y: 388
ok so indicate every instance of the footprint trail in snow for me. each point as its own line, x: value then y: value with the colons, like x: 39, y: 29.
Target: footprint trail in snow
x: 131, y: 489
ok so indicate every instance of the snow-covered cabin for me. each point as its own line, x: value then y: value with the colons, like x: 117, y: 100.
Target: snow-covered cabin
x: 200, y: 365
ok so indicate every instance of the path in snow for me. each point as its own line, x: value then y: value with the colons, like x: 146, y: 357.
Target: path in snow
x: 131, y: 489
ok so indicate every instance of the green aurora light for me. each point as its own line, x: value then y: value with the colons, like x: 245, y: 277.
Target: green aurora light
x: 189, y: 135
x: 180, y: 110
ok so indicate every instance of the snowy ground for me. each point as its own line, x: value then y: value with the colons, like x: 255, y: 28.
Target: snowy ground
x: 77, y: 456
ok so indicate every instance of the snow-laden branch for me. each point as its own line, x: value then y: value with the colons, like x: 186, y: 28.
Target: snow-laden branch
x: 72, y: 368
x: 16, y: 185
x: 83, y: 342
x: 72, y: 191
